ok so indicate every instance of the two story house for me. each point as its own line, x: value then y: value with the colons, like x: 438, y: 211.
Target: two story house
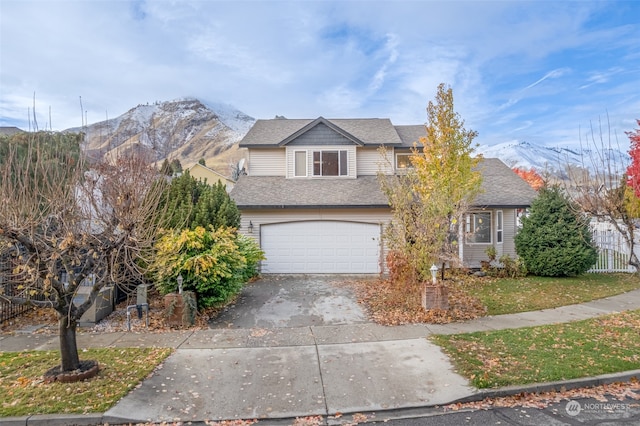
x: 312, y: 200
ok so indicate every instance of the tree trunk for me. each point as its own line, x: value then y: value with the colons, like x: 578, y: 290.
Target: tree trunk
x: 68, y: 345
x: 634, y: 261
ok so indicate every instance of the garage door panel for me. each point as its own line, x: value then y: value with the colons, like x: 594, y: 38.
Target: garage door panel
x: 321, y: 247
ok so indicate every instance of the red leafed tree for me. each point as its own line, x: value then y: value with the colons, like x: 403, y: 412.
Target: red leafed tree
x: 633, y: 172
x: 531, y: 177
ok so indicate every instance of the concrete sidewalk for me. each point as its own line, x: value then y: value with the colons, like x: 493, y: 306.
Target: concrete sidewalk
x: 283, y: 373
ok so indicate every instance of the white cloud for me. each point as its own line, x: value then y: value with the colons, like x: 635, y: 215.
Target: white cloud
x: 526, y: 70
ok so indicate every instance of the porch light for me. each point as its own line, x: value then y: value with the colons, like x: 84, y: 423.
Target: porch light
x: 180, y: 279
x: 434, y: 272
x: 250, y: 228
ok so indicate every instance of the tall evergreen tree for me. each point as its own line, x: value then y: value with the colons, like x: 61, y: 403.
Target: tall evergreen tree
x: 195, y: 203
x: 555, y: 240
x: 165, y: 169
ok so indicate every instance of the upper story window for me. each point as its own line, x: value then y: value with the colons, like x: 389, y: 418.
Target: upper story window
x: 478, y: 228
x: 330, y: 163
x: 300, y: 164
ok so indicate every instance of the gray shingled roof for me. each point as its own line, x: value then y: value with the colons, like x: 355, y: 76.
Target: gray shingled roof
x: 369, y: 131
x: 279, y: 192
x: 501, y: 188
x: 411, y: 133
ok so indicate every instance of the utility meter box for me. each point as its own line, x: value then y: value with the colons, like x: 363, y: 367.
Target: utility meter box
x: 141, y: 294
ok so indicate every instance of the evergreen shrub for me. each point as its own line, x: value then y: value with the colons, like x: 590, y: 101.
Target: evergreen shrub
x: 555, y: 240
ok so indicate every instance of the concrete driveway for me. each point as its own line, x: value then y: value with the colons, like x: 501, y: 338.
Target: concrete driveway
x: 276, y: 301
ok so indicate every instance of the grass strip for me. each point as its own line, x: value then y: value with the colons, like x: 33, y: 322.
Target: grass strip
x: 24, y: 392
x: 547, y: 353
x: 506, y: 296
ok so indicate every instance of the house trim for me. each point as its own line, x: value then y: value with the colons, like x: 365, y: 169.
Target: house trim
x: 314, y: 123
x: 314, y: 206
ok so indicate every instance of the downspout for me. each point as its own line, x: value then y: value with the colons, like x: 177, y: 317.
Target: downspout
x: 461, y: 225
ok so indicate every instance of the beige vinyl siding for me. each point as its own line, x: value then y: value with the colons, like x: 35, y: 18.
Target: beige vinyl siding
x: 291, y: 159
x: 266, y: 162
x: 211, y: 177
x: 510, y: 227
x: 370, y: 161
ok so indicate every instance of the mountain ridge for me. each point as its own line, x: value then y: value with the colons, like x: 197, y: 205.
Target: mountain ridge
x: 184, y: 128
x: 189, y: 130
x: 554, y: 160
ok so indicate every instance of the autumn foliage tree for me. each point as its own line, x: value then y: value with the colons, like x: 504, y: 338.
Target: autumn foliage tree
x: 633, y: 171
x: 632, y: 195
x: 65, y: 223
x: 429, y: 200
x: 531, y: 176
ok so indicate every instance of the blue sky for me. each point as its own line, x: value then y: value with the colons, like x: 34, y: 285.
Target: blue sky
x: 541, y: 71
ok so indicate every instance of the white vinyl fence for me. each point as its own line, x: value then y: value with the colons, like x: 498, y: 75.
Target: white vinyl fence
x: 613, y: 251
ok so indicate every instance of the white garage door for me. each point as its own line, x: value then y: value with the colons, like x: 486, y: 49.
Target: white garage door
x: 321, y: 247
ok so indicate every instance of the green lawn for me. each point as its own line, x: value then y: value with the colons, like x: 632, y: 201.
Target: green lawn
x: 505, y: 296
x: 546, y: 353
x: 24, y: 393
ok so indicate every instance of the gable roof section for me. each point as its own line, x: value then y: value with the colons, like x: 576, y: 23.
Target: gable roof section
x: 255, y: 192
x: 280, y: 131
x: 210, y: 170
x: 502, y: 187
x: 314, y: 125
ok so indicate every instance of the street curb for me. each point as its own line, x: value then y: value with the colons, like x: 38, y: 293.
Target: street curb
x: 585, y: 382
x: 397, y: 413
x: 54, y: 420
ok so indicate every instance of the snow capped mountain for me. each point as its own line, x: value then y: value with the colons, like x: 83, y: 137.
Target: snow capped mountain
x: 184, y: 128
x: 551, y: 159
x: 232, y: 117
x: 189, y: 130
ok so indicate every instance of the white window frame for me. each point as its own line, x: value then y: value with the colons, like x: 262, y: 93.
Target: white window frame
x: 339, y: 151
x: 519, y: 214
x: 295, y: 163
x: 499, y: 227
x: 471, y: 225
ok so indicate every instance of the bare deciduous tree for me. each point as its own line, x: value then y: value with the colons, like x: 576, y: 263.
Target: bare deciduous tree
x: 65, y: 223
x: 600, y: 184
